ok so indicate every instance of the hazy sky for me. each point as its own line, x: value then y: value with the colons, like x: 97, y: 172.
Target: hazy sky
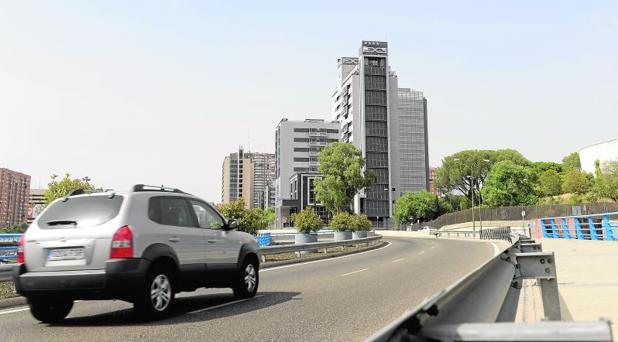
x: 158, y: 92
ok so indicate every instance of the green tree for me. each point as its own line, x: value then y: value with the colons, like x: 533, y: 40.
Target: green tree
x: 360, y: 222
x: 342, y: 221
x: 550, y: 183
x: 307, y: 221
x: 509, y: 184
x: 575, y: 182
x: 342, y: 166
x: 63, y: 187
x: 268, y: 217
x: 249, y: 220
x: 414, y: 206
x: 572, y: 162
x: 465, y: 171
x: 14, y: 228
x: 605, y: 183
x: 542, y: 166
x: 252, y: 221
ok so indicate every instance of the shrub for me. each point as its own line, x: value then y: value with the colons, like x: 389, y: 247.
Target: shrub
x: 360, y: 222
x: 307, y: 221
x: 342, y: 221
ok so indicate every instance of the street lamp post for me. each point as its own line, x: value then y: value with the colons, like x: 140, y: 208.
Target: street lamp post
x: 471, y: 178
x: 480, y: 199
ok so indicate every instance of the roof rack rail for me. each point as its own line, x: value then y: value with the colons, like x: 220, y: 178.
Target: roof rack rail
x: 144, y: 187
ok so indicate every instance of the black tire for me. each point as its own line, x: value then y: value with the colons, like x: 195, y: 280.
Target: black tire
x: 243, y: 287
x: 151, y: 305
x: 50, y: 310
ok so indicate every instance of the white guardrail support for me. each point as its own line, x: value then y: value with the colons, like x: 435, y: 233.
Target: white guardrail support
x: 482, y: 305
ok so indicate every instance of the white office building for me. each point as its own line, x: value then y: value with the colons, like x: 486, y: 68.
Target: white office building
x: 297, y: 146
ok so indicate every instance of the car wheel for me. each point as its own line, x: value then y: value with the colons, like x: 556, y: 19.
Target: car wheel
x: 50, y: 310
x: 156, y: 298
x: 247, y: 283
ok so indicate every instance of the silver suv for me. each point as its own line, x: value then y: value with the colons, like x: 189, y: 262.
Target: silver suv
x: 141, y: 246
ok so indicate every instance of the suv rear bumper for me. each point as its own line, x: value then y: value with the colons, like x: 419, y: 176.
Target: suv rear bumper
x: 118, y: 280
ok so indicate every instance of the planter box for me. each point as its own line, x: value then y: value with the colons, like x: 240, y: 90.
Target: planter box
x: 300, y: 238
x: 361, y: 234
x: 342, y: 236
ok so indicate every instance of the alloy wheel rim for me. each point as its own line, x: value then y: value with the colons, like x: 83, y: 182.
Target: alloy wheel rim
x: 160, y: 292
x: 250, y: 278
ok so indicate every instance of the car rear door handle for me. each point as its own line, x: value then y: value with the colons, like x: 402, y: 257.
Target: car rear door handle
x: 174, y: 239
x: 212, y: 241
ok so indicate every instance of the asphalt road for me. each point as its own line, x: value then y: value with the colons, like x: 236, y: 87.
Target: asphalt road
x: 341, y: 299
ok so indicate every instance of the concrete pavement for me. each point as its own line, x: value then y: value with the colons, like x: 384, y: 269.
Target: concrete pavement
x: 587, y: 277
x: 341, y: 299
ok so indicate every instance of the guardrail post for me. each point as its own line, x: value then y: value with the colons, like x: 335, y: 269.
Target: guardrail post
x: 542, y: 266
x: 554, y: 228
x: 578, y: 228
x: 565, y: 228
x: 593, y: 229
x: 607, y: 227
x: 543, y: 228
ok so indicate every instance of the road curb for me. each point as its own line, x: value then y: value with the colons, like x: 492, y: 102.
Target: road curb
x: 12, y: 302
x: 321, y: 257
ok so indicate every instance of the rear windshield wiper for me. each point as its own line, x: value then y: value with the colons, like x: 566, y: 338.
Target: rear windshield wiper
x: 61, y: 223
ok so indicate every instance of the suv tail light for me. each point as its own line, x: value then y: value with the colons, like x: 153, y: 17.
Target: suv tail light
x: 122, y: 243
x: 21, y: 257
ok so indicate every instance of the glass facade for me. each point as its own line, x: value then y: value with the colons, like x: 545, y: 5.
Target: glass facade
x: 376, y: 202
x: 412, y: 132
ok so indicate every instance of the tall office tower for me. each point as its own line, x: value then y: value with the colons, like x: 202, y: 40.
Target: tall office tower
x: 14, y: 195
x: 378, y: 120
x: 264, y: 169
x: 245, y: 175
x: 298, y: 144
x: 410, y: 146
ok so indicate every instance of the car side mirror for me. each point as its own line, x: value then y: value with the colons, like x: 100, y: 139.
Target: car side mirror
x: 232, y: 224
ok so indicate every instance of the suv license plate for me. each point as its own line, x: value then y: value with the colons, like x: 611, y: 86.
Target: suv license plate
x: 66, y: 254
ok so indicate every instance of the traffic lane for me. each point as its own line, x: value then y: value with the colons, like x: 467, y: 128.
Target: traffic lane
x: 316, y: 301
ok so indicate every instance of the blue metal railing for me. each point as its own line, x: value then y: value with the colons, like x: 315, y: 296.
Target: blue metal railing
x: 8, y: 247
x: 264, y: 239
x: 583, y: 227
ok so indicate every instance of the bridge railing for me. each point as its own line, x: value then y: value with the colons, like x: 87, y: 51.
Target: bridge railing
x: 500, y: 233
x: 482, y: 306
x: 581, y: 227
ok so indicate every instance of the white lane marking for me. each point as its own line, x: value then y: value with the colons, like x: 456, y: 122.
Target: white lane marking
x: 223, y: 305
x: 323, y: 260
x: 421, y: 253
x: 398, y: 260
x: 13, y: 311
x: 354, y: 272
x: 496, y: 249
x: 432, y: 247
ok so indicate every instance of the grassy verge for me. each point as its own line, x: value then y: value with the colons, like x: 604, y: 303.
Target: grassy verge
x: 7, y: 290
x: 290, y: 256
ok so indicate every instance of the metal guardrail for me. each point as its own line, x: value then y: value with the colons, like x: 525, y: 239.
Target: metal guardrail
x: 270, y: 250
x: 5, y: 272
x: 483, y: 305
x: 501, y: 233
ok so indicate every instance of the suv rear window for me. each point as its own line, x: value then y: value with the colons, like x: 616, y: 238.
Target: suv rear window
x: 88, y: 211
